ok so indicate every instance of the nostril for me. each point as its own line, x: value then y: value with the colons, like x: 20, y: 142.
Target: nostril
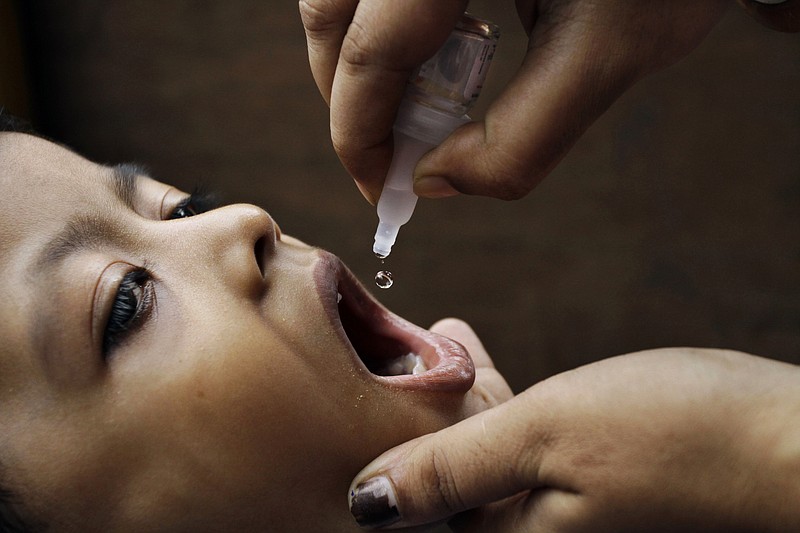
x: 260, y: 250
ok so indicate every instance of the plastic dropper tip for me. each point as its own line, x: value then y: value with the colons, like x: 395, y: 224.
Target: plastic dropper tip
x: 381, y: 250
x: 384, y: 239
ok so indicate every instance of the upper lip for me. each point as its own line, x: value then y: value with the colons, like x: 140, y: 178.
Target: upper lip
x: 382, y: 335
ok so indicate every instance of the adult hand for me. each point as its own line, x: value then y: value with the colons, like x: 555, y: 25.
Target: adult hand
x: 664, y: 440
x: 581, y: 56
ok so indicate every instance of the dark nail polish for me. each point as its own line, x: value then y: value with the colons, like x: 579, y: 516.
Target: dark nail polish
x: 373, y: 503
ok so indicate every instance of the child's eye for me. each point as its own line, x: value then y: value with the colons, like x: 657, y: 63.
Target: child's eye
x: 131, y: 305
x: 194, y: 204
x: 184, y: 209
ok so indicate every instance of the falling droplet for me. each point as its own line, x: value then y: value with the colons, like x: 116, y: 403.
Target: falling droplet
x: 383, y: 279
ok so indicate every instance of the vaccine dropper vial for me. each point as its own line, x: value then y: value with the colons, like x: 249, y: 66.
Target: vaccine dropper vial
x: 437, y: 98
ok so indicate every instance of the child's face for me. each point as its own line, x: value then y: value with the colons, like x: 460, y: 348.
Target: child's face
x: 224, y: 394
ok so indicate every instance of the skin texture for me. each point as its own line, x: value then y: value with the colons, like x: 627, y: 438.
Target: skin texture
x: 234, y: 406
x: 582, y: 55
x: 666, y: 440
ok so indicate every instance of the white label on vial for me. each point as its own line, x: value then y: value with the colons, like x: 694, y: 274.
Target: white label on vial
x: 479, y: 69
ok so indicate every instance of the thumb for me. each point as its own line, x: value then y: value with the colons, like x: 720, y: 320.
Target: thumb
x: 482, y: 459
x: 581, y: 57
x: 555, y: 96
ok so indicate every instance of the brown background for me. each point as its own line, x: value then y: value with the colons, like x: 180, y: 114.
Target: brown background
x: 674, y: 221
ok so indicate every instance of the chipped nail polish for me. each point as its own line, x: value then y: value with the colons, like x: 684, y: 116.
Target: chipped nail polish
x: 373, y: 503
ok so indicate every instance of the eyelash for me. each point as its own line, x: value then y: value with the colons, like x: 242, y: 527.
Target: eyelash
x: 133, y: 300
x: 199, y: 201
x: 132, y: 304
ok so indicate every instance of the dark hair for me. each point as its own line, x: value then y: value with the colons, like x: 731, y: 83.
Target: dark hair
x: 10, y: 520
x: 12, y: 123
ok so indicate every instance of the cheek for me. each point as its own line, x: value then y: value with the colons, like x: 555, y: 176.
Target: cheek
x: 241, y: 405
x: 257, y: 409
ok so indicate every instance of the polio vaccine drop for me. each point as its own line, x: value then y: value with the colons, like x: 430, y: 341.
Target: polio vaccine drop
x: 383, y: 279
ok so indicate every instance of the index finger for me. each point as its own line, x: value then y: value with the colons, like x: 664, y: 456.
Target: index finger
x: 325, y: 23
x: 383, y: 43
x: 485, y: 458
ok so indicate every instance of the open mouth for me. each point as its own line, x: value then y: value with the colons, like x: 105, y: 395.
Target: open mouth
x: 383, y: 353
x: 393, y: 350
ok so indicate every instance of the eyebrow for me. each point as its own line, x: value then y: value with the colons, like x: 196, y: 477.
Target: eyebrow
x: 86, y: 232
x: 124, y: 177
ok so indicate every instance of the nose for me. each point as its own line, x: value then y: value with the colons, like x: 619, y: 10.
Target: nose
x: 235, y: 243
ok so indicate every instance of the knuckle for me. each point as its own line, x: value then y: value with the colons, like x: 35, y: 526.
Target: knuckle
x: 508, y: 162
x: 396, y: 46
x: 509, y: 184
x: 498, y: 173
x: 444, y: 485
x: 359, y: 47
x: 516, y: 189
x: 507, y: 177
x: 317, y: 16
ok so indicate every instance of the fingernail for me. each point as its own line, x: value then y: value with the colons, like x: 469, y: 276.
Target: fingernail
x: 373, y: 503
x: 434, y: 187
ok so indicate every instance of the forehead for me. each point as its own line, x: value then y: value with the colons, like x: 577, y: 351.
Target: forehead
x: 41, y: 184
x: 30, y: 166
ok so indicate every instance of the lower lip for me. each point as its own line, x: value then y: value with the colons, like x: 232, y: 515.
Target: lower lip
x: 450, y: 369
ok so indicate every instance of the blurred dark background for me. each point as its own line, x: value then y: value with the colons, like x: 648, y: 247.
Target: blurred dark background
x: 674, y: 221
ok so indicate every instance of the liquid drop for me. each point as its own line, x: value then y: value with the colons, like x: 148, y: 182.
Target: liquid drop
x: 383, y: 279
